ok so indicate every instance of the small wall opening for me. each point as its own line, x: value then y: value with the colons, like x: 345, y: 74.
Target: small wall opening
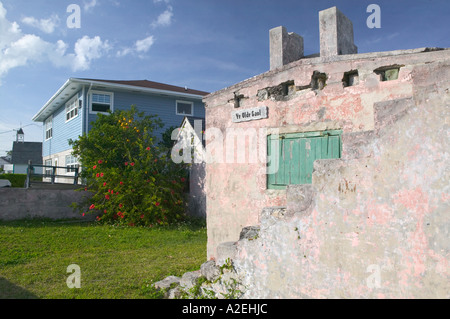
x: 350, y: 78
x: 288, y: 88
x: 237, y: 100
x: 388, y: 73
x: 318, y: 80
x: 279, y: 92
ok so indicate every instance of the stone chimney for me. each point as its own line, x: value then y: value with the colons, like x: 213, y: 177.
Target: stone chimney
x: 284, y: 47
x: 336, y: 33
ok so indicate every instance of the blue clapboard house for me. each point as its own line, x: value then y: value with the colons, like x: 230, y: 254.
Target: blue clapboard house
x: 71, y: 110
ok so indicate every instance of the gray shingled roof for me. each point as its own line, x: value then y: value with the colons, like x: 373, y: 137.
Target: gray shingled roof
x: 24, y: 151
x: 153, y: 85
x: 4, y: 160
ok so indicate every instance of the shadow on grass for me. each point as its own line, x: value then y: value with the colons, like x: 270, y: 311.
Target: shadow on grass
x: 44, y: 222
x: 189, y: 223
x: 8, y: 290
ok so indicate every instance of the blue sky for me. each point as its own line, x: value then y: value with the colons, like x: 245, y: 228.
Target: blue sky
x: 203, y: 44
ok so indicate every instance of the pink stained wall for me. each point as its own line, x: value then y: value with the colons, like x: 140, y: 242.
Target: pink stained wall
x: 237, y: 192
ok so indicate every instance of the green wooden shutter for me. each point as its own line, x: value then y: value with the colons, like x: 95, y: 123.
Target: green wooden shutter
x: 297, y: 153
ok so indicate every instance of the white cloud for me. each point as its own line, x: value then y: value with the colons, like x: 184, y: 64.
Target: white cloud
x: 140, y: 46
x: 18, y: 53
x: 18, y: 49
x: 10, y: 31
x: 164, y: 19
x: 89, y: 5
x: 124, y: 52
x: 31, y: 48
x: 45, y: 25
x: 86, y: 50
x: 145, y: 44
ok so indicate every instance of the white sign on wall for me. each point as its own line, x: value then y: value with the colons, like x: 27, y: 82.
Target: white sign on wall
x: 255, y: 113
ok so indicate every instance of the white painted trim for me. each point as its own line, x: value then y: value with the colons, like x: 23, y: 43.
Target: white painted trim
x: 65, y: 163
x: 75, y: 98
x: 50, y: 119
x: 52, y: 99
x: 86, y: 108
x: 111, y: 107
x: 185, y: 102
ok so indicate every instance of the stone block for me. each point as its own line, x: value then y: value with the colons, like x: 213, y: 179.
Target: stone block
x: 209, y: 270
x: 284, y: 47
x: 5, y: 183
x: 250, y: 233
x: 174, y: 293
x: 299, y: 199
x: 189, y: 279
x: 167, y: 282
x: 336, y: 33
x: 227, y: 250
x: 271, y: 215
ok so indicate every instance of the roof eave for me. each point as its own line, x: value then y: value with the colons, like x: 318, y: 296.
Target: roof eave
x: 38, y: 117
x: 140, y: 88
x: 53, y: 98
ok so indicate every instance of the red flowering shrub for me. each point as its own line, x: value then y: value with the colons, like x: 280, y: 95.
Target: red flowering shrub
x: 133, y: 180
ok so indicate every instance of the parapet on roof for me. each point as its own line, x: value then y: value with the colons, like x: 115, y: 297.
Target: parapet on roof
x: 336, y: 38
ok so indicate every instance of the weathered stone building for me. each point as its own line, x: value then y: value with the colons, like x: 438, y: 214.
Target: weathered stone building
x: 340, y: 161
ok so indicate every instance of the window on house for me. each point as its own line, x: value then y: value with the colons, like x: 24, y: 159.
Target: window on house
x: 72, y: 109
x: 185, y: 108
x: 101, y: 102
x: 71, y: 164
x: 48, y: 168
x: 49, y: 128
x: 296, y: 153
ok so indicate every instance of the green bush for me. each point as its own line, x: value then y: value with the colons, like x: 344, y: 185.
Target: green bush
x: 133, y: 180
x: 17, y: 180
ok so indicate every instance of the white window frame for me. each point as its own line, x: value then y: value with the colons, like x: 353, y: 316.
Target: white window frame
x: 111, y: 104
x: 72, y: 105
x: 48, y: 170
x: 184, y: 102
x: 71, y: 164
x: 48, y: 127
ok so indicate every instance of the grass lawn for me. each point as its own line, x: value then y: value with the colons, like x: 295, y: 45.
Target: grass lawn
x: 115, y: 262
